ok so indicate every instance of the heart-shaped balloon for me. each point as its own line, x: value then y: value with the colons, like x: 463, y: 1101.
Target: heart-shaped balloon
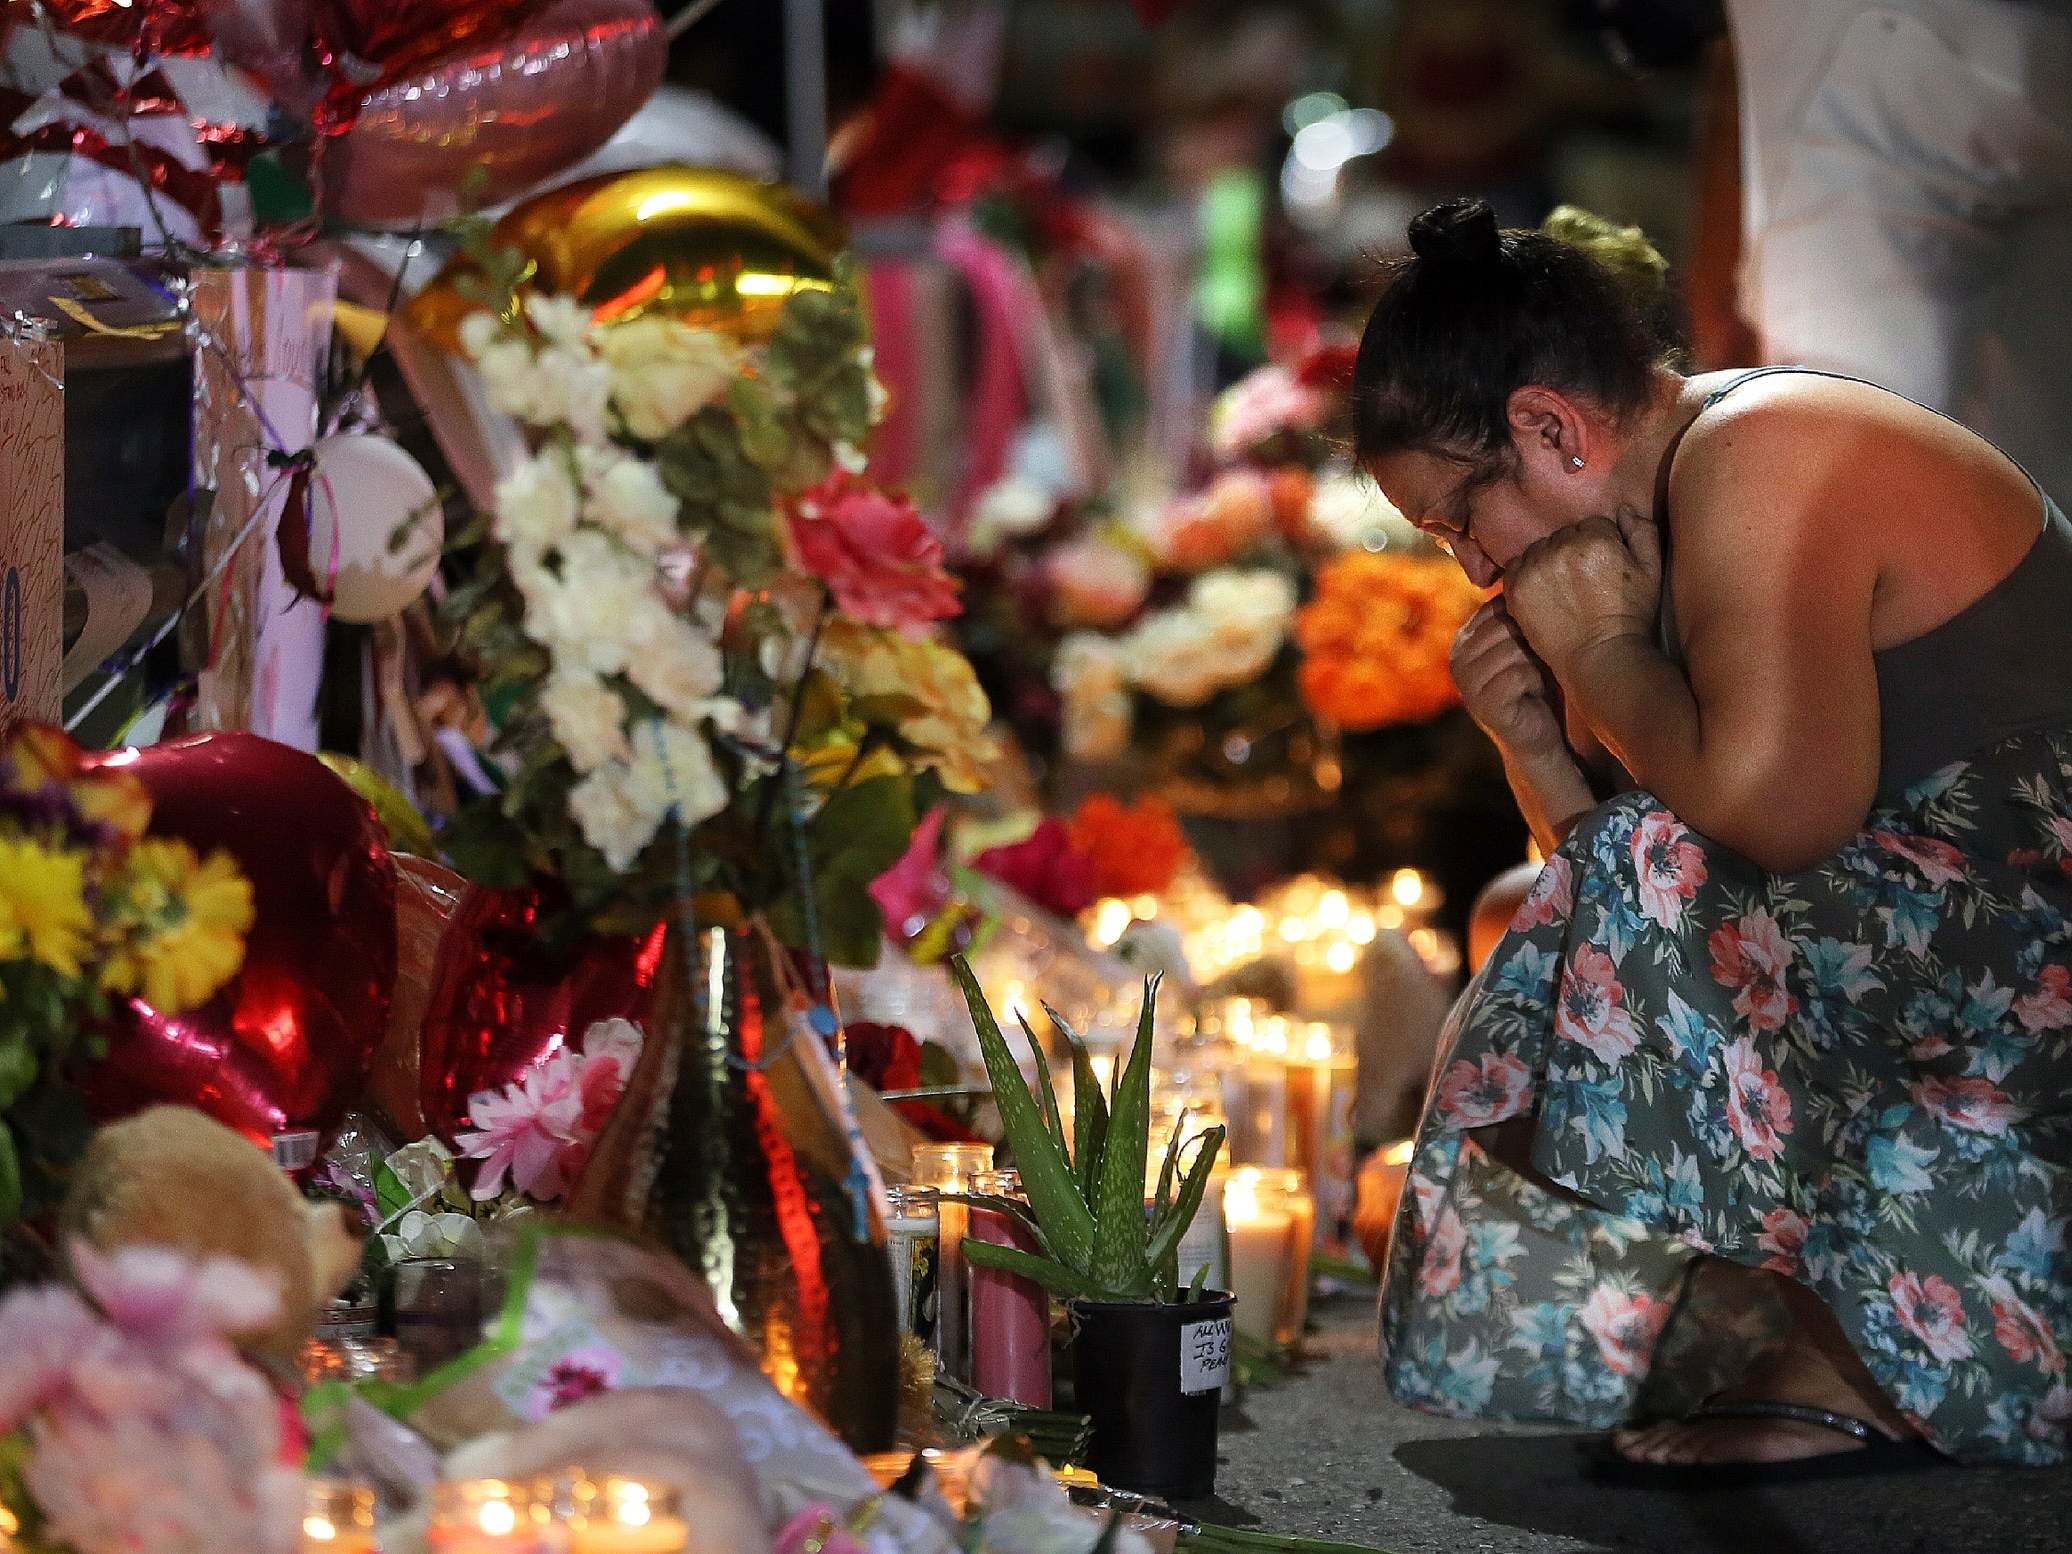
x: 502, y: 1004
x: 494, y: 115
x: 428, y: 898
x: 286, y: 1045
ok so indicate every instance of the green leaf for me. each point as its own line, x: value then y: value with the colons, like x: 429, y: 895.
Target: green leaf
x: 1046, y: 1174
x: 1196, y: 1284
x: 1166, y: 1234
x: 10, y: 1178
x: 17, y: 1069
x: 1051, y: 1274
x: 1168, y: 1166
x: 1089, y: 1109
x: 1120, y: 1236
x: 391, y: 1197
x: 1047, y: 1092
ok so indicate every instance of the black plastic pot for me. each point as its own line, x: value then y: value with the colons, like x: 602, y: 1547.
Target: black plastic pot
x: 1151, y: 1379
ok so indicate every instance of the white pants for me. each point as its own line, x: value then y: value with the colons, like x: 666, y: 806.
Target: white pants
x: 1907, y: 170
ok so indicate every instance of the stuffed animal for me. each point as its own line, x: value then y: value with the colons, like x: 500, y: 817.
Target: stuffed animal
x: 171, y: 1177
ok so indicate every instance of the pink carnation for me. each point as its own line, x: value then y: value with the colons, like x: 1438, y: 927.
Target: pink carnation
x: 874, y: 551
x: 539, y: 1130
x: 1048, y: 868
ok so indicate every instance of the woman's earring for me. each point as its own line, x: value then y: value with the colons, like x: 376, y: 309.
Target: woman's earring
x: 1576, y: 461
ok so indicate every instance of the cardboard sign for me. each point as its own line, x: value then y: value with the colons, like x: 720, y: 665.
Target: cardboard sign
x: 32, y: 529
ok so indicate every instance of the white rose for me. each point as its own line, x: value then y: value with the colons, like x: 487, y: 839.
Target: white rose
x: 627, y: 496
x: 673, y: 772
x: 597, y: 614
x: 571, y: 389
x: 418, y: 1234
x: 1088, y: 664
x: 587, y: 716
x: 562, y: 321
x: 1173, y: 655
x: 1007, y: 510
x: 673, y: 662
x: 663, y: 373
x: 537, y: 504
x: 604, y: 807
x: 479, y: 331
x: 510, y: 377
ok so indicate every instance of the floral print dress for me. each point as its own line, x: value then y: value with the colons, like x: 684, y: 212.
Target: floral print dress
x: 1859, y: 1076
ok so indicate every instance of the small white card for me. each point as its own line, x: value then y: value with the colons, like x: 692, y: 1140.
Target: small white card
x: 1204, y: 1356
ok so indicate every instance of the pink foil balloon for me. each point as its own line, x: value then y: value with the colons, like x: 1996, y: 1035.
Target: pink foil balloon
x: 495, y: 117
x: 288, y: 1043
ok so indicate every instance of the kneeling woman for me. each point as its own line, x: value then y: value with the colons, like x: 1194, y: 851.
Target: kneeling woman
x: 1759, y: 1119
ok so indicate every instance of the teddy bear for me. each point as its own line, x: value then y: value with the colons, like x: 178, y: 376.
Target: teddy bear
x: 170, y: 1176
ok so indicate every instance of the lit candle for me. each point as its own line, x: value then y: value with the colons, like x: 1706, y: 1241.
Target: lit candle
x: 1260, y: 1242
x: 1287, y: 1190
x: 628, y: 1517
x: 487, y: 1516
x: 1259, y: 1131
x: 337, y: 1518
x: 949, y: 1168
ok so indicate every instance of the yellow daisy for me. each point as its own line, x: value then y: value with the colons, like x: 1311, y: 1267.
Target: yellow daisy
x: 43, y: 904
x: 187, y: 919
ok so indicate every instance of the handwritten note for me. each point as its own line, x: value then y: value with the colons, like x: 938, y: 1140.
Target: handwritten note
x: 1204, y: 1356
x: 32, y: 529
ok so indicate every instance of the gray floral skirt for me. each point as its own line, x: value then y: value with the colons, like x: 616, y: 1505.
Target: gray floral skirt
x: 1858, y: 1076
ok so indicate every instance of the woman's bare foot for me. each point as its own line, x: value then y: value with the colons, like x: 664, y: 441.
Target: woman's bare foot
x: 1798, y: 1372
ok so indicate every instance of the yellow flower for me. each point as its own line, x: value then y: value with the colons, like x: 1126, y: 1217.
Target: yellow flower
x: 43, y: 904
x: 942, y: 710
x: 184, y: 921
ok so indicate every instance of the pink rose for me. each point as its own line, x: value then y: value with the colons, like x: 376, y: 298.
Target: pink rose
x: 1093, y: 583
x: 874, y: 551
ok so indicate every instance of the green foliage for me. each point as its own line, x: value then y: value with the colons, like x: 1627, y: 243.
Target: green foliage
x: 732, y: 466
x: 1086, y: 1214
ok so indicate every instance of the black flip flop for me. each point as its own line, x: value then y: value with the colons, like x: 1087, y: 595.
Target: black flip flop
x: 1878, y: 1455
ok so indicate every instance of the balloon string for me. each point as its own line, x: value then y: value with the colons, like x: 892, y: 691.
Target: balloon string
x: 688, y: 18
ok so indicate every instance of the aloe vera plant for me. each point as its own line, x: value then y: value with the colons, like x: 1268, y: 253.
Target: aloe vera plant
x: 1085, y: 1209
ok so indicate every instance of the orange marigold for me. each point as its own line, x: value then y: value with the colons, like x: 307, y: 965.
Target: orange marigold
x: 1136, y: 849
x: 1375, y: 638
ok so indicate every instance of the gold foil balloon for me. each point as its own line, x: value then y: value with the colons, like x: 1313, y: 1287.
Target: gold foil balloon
x: 715, y: 249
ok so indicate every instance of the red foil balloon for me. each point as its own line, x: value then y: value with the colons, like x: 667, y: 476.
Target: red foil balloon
x: 287, y: 1044
x: 502, y: 1004
x: 495, y: 117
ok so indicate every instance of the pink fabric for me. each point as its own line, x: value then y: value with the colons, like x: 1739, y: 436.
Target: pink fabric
x: 1002, y: 292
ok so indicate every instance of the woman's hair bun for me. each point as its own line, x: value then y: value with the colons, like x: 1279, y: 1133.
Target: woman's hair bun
x: 1459, y: 233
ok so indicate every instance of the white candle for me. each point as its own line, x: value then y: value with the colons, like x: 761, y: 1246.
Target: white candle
x: 1260, y: 1243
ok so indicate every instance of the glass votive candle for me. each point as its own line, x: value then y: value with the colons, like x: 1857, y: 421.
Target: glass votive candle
x: 1288, y: 1190
x: 338, y: 1518
x: 610, y: 1514
x: 493, y: 1516
x: 437, y: 1305
x: 913, y: 1230
x: 1261, y: 1237
x: 1010, y: 1315
x: 949, y: 1168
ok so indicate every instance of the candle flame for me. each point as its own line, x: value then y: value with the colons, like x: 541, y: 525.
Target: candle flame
x: 497, y: 1518
x: 1399, y: 1153
x: 1408, y: 887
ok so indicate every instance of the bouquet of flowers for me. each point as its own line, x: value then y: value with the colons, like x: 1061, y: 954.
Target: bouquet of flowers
x: 1376, y: 637
x: 127, y: 1420
x: 91, y: 908
x: 1164, y: 627
x: 707, y: 635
